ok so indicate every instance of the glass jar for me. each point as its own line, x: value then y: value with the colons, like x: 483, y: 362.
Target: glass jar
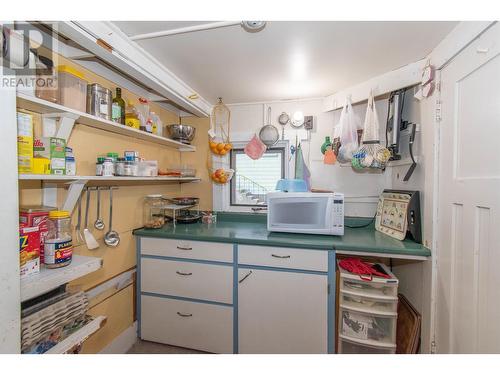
x: 99, y: 166
x: 120, y: 167
x: 153, y: 211
x: 108, y: 167
x: 58, y: 246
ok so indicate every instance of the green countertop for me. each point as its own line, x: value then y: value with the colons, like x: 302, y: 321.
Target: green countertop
x: 251, y: 229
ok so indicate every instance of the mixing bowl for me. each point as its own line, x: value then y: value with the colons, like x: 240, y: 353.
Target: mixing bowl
x: 181, y: 133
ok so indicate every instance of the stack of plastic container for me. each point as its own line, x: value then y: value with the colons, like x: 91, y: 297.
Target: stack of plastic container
x: 368, y: 312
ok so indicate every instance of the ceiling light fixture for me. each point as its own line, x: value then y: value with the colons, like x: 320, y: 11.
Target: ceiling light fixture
x: 253, y: 26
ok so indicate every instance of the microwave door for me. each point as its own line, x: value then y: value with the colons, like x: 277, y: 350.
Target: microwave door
x: 299, y: 213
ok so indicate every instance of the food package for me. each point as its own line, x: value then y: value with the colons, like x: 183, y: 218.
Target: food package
x: 36, y: 216
x: 25, y: 142
x: 53, y: 149
x: 29, y: 251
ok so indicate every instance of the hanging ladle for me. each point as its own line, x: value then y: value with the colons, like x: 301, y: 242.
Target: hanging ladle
x: 99, y: 222
x: 111, y: 238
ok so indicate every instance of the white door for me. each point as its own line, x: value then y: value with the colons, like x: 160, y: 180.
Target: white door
x: 468, y: 257
x: 282, y: 312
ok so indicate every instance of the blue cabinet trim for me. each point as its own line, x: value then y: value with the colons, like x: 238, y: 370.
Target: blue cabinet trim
x: 138, y: 285
x: 331, y: 301
x: 235, y: 299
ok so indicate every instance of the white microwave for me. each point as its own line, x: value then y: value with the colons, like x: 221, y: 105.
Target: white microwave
x: 313, y: 213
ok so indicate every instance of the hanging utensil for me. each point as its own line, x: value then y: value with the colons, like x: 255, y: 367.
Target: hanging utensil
x: 111, y: 238
x: 78, y: 228
x: 269, y: 134
x: 283, y: 120
x: 90, y: 240
x: 99, y: 222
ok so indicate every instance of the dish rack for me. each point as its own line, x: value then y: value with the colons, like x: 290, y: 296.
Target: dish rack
x: 175, y: 208
x: 368, y: 312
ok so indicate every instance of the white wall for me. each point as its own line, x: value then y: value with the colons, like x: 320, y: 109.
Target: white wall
x: 361, y: 189
x: 10, y: 299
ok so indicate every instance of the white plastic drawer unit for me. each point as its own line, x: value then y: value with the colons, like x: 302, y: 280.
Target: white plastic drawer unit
x: 213, y: 251
x: 187, y: 279
x: 369, y: 304
x: 368, y: 327
x: 350, y: 347
x: 377, y: 288
x: 196, y: 325
x: 283, y: 257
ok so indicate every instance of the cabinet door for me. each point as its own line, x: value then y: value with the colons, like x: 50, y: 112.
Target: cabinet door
x: 282, y: 312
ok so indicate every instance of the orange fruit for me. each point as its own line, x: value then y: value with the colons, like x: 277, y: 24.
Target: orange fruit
x: 223, y: 180
x: 223, y: 152
x: 212, y: 144
x: 228, y: 146
x: 220, y: 146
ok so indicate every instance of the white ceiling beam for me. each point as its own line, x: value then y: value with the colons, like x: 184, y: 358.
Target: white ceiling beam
x: 184, y: 30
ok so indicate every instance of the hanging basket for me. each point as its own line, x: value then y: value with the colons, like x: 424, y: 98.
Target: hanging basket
x: 219, y: 171
x: 220, y: 124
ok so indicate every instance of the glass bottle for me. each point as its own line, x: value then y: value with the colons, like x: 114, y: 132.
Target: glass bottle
x: 118, y: 107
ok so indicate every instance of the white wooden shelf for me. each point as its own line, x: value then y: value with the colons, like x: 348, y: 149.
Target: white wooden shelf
x: 41, y: 106
x: 51, y: 177
x: 78, y: 337
x: 49, y: 279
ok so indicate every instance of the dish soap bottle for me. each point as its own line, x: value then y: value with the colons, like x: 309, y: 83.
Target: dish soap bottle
x: 118, y: 107
x: 132, y: 117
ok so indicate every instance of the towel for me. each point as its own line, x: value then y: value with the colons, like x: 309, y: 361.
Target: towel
x: 301, y: 170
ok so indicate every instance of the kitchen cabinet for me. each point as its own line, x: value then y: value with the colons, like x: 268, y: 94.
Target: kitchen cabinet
x: 282, y: 312
x: 185, y: 295
x: 235, y: 298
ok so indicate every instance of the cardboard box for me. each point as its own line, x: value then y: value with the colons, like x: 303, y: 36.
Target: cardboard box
x: 36, y: 216
x: 29, y: 251
x: 53, y: 149
x: 24, y: 142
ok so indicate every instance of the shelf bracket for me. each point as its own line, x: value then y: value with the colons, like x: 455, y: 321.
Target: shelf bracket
x: 74, y: 191
x: 59, y: 125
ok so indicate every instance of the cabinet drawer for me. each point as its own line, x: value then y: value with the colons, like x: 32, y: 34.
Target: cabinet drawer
x: 194, y: 325
x: 187, y: 279
x: 283, y: 257
x: 221, y: 252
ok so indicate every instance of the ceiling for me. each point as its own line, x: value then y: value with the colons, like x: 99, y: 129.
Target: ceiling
x: 288, y: 59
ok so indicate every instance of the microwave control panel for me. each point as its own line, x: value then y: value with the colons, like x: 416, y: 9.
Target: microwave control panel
x: 338, y: 214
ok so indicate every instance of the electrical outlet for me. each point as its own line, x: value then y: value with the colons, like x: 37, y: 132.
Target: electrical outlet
x: 308, y: 122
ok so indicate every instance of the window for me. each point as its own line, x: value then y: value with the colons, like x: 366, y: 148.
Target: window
x: 255, y: 178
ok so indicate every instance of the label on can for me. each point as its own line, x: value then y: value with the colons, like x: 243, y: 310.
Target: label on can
x: 58, y: 251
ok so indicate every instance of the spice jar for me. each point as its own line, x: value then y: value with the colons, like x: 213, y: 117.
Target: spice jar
x: 153, y: 211
x: 58, y: 246
x: 120, y: 167
x: 99, y: 166
x: 108, y: 167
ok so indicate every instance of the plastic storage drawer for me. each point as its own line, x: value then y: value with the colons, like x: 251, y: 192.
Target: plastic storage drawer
x: 350, y: 347
x: 371, y: 289
x: 368, y: 304
x: 370, y: 327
